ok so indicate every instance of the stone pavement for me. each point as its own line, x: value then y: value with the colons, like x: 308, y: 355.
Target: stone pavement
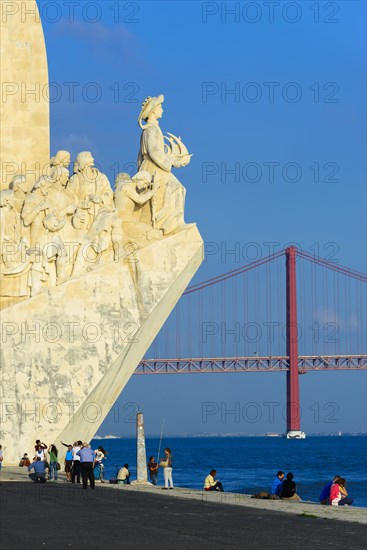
x: 60, y: 516
x: 344, y: 513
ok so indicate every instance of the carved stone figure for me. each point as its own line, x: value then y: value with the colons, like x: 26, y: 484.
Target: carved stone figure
x: 131, y: 194
x: 158, y: 159
x: 14, y: 262
x: 48, y: 256
x: 36, y: 207
x: 89, y: 184
x: 61, y: 159
x: 63, y: 203
x: 103, y: 242
x: 20, y: 188
x: 59, y: 196
x: 75, y: 236
x: 106, y: 231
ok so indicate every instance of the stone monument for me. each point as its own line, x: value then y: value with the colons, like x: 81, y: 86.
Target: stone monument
x: 24, y: 104
x: 87, y: 279
x: 141, y: 455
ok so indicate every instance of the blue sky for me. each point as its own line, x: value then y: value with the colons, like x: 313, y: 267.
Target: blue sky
x: 298, y: 102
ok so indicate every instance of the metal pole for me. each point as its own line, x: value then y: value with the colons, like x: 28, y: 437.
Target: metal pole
x: 293, y: 402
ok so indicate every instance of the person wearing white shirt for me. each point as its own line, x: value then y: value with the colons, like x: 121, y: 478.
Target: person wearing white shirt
x: 100, y: 455
x: 40, y: 450
x: 76, y: 462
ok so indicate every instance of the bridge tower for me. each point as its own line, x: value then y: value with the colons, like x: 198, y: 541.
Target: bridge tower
x: 293, y: 402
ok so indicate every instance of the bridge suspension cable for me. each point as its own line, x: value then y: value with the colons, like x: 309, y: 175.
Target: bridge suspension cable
x: 234, y: 273
x: 333, y: 266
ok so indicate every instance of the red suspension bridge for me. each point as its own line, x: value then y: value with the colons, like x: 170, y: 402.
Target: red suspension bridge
x: 258, y: 319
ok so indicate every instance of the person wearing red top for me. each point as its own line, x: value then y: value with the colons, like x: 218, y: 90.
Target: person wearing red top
x: 339, y: 495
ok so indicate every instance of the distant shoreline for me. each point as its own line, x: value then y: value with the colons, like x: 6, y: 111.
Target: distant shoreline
x: 216, y: 435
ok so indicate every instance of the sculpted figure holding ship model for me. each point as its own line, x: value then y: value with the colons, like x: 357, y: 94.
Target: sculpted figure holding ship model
x: 46, y: 229
x: 158, y: 158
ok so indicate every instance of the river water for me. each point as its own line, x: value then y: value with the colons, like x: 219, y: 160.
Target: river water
x: 249, y: 464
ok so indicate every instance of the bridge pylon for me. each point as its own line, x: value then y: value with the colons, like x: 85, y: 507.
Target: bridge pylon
x: 293, y: 401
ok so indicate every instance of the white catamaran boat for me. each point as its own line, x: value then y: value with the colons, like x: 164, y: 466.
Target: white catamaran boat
x: 295, y: 434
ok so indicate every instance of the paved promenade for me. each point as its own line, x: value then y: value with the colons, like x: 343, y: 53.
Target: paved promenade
x: 60, y: 516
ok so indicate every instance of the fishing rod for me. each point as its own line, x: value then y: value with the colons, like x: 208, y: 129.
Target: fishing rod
x: 160, y: 441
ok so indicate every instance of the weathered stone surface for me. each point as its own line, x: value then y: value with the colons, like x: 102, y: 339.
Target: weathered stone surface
x: 24, y: 105
x: 141, y: 455
x: 68, y: 352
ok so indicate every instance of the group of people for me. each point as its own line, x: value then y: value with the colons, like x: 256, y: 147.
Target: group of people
x: 333, y: 493
x: 75, y: 457
x: 41, y: 463
x: 70, y: 221
x: 284, y: 488
x: 210, y: 482
x: 81, y: 462
x: 167, y: 464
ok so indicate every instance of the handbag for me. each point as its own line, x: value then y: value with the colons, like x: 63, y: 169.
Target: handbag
x: 58, y: 467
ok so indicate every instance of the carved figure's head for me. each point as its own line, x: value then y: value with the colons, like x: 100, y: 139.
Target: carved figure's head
x: 142, y: 180
x: 7, y: 198
x: 43, y: 184
x: 122, y: 178
x: 151, y: 107
x: 84, y: 159
x: 62, y: 158
x: 19, y: 182
x: 60, y: 175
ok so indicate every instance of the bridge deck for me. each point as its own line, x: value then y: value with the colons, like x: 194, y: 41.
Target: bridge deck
x: 250, y: 364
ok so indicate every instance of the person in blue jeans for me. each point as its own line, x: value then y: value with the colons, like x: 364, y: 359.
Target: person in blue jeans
x: 153, y: 470
x: 53, y: 452
x: 39, y: 474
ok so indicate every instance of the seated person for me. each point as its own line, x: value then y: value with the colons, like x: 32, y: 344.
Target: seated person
x: 325, y: 491
x: 210, y: 484
x: 39, y: 470
x: 339, y: 494
x: 276, y: 488
x: 24, y: 461
x: 289, y: 489
x: 124, y: 475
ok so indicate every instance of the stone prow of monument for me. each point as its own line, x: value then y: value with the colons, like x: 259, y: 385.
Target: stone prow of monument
x: 74, y: 327
x: 68, y: 352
